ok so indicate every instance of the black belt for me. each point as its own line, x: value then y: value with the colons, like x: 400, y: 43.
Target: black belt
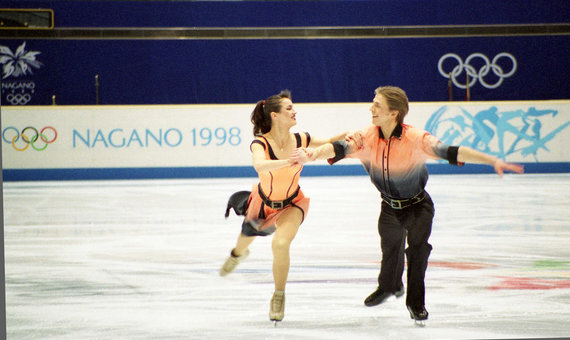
x: 403, y: 203
x: 277, y: 204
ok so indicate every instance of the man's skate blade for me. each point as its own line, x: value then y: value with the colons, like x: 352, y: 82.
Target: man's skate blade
x: 420, y: 323
x: 419, y: 320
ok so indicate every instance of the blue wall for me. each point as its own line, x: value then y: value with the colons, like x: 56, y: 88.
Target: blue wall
x: 245, y: 71
x: 106, y: 13
x: 316, y: 70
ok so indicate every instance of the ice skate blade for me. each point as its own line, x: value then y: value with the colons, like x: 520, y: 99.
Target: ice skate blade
x: 420, y: 323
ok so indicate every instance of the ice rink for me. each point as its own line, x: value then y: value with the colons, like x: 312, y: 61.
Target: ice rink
x: 140, y: 260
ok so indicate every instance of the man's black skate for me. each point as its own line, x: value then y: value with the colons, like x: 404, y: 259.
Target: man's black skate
x: 420, y: 315
x: 400, y: 292
x: 379, y: 296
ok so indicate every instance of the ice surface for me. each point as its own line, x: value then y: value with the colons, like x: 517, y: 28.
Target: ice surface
x: 140, y: 260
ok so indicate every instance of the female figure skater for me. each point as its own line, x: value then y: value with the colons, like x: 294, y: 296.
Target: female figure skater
x: 277, y: 204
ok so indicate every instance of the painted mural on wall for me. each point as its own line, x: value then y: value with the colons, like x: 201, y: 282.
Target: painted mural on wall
x: 522, y: 132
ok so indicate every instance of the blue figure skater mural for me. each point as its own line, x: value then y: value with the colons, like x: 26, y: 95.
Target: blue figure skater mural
x: 501, y: 133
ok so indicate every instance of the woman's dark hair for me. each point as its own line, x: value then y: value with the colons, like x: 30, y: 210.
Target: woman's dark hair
x: 261, y: 115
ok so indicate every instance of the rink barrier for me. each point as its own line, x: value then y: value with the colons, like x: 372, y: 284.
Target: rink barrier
x: 11, y: 175
x: 200, y: 141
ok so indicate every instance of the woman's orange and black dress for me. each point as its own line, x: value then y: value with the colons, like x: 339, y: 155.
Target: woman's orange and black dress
x: 277, y: 191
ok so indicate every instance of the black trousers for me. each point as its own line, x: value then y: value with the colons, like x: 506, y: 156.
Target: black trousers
x: 395, y: 226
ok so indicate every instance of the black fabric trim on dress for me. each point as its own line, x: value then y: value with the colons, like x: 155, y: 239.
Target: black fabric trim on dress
x: 298, y: 138
x: 308, y: 139
x: 257, y: 141
x: 271, y: 153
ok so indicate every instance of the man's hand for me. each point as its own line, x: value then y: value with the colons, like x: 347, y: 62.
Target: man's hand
x: 501, y: 166
x: 356, y: 138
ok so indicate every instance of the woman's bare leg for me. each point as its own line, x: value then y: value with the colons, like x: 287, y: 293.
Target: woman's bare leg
x: 242, y: 244
x: 287, y: 227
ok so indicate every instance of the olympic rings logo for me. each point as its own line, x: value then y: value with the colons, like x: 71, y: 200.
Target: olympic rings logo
x: 18, y: 98
x: 29, y: 136
x: 475, y: 75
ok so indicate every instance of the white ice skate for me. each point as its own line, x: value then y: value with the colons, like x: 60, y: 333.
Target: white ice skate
x: 277, y: 306
x: 232, y: 262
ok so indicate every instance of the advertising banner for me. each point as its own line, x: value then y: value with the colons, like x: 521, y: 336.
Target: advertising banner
x: 186, y: 138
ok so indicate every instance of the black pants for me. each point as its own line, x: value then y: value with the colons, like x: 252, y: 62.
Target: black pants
x: 393, y: 226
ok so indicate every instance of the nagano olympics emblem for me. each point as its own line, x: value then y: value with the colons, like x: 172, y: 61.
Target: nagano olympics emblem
x: 18, y: 65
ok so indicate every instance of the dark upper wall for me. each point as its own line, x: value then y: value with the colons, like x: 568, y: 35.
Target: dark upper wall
x: 189, y: 70
x: 69, y: 13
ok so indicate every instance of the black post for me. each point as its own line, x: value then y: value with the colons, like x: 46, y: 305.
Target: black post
x: 96, y: 89
x: 449, y: 88
x: 467, y: 88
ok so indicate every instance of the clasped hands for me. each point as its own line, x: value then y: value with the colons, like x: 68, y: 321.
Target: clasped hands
x: 302, y: 156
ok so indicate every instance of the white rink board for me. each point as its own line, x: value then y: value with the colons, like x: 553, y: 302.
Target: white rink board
x: 219, y: 135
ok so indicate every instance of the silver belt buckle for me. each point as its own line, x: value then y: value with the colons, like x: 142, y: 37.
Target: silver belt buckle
x: 394, y: 205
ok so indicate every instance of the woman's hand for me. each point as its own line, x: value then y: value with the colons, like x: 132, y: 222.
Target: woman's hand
x: 302, y: 156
